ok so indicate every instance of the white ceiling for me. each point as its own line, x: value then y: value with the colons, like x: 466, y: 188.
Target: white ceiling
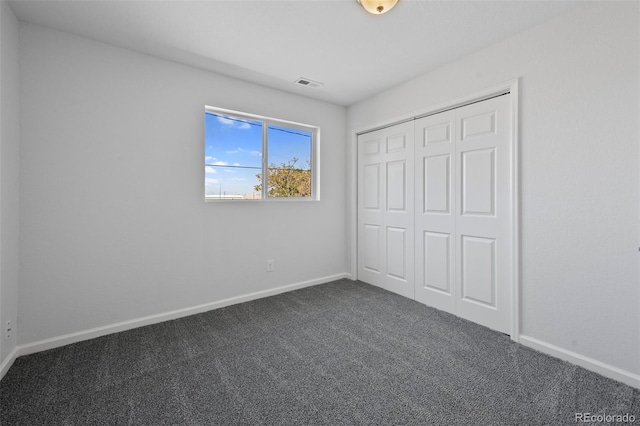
x: 274, y: 42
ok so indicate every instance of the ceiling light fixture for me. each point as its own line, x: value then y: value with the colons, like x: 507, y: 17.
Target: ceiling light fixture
x: 377, y: 7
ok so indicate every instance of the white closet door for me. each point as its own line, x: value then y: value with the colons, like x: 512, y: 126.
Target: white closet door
x: 435, y: 165
x: 452, y: 195
x: 484, y: 249
x: 464, y: 212
x: 386, y: 208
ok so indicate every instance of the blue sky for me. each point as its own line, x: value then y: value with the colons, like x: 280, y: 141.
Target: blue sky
x: 233, y: 152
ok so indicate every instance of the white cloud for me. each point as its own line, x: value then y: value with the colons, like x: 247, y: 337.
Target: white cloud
x: 245, y: 151
x: 224, y: 121
x: 238, y: 124
x: 220, y: 163
x: 250, y: 152
x: 210, y: 170
x: 211, y: 186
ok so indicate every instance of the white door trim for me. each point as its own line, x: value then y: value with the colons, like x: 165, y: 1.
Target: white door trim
x: 512, y: 87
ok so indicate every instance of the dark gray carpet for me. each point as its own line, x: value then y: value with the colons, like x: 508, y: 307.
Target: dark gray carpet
x: 335, y: 354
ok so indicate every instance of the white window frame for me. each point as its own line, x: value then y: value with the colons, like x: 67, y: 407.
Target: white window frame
x: 266, y: 122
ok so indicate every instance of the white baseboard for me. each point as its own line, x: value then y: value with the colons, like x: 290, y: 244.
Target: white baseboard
x: 79, y: 336
x: 606, y: 370
x: 8, y: 362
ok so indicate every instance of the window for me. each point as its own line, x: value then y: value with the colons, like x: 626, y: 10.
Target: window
x: 247, y: 157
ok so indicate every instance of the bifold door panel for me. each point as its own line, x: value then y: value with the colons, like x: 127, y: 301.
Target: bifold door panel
x: 385, y: 209
x: 435, y: 206
x: 435, y: 260
x: 484, y: 220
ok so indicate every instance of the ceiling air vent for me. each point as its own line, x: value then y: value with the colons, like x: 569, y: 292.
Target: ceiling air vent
x: 308, y: 82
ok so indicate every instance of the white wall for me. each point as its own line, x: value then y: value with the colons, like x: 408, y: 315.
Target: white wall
x: 579, y: 111
x: 113, y: 223
x: 9, y: 159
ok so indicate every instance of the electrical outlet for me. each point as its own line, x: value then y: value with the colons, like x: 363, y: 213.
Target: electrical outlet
x: 270, y: 265
x: 8, y: 330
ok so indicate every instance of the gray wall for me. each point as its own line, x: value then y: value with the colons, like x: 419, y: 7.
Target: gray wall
x: 9, y: 160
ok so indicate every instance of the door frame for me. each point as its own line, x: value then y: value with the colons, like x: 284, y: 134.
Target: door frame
x: 512, y: 87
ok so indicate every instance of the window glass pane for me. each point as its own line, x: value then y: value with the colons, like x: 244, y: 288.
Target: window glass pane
x: 289, y: 156
x: 233, y: 157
